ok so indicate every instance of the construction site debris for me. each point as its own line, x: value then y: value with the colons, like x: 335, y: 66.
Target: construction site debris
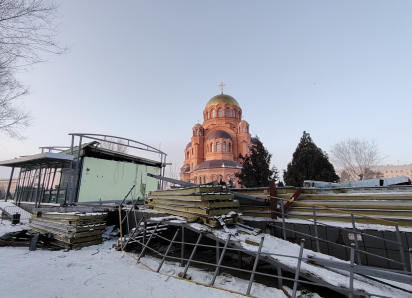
x: 72, y: 230
x: 251, y: 241
x: 201, y: 203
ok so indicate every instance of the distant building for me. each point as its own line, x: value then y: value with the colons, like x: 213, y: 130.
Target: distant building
x: 390, y: 171
x: 213, y: 152
x: 4, y: 183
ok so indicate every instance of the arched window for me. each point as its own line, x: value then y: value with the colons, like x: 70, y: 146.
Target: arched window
x: 204, y: 180
x: 240, y: 115
x: 207, y: 115
x: 192, y: 167
x: 219, y: 112
x: 197, y: 132
x: 192, y: 151
x: 217, y: 147
x: 224, y: 147
x: 227, y: 112
x: 200, y: 132
x: 200, y: 180
x: 211, y: 147
x: 230, y: 149
x: 207, y: 150
x: 243, y: 129
x: 213, y: 113
x: 234, y: 113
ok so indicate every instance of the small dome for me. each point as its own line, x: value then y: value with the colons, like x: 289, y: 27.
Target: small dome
x: 222, y: 98
x: 189, y: 145
x: 219, y: 134
x: 197, y: 125
x: 243, y: 122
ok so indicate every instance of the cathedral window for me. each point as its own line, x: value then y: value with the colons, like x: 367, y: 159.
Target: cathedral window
x: 219, y: 112
x: 192, y: 167
x: 197, y: 132
x: 207, y: 115
x: 227, y: 112
x: 243, y: 129
x: 200, y: 180
x: 207, y: 148
x: 234, y: 113
x: 217, y: 147
x: 230, y: 145
x: 211, y: 147
x: 212, y: 113
x: 224, y: 147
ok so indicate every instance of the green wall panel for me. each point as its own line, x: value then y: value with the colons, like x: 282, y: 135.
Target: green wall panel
x: 112, y: 180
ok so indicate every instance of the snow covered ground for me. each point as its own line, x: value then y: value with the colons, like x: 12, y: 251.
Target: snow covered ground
x: 100, y: 271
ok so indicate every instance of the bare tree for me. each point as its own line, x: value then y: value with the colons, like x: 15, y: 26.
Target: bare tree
x: 115, y: 144
x: 27, y: 31
x: 172, y: 171
x: 356, y: 157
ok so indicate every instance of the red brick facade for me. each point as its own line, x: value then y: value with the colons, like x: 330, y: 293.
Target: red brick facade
x: 213, y: 152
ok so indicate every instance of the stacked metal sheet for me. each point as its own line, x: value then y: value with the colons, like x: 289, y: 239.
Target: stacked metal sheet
x: 73, y: 230
x: 202, y: 202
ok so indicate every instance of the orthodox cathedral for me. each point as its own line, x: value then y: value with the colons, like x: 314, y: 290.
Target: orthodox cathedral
x: 213, y: 152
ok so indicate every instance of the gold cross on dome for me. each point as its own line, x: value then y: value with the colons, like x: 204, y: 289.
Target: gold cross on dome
x: 221, y: 86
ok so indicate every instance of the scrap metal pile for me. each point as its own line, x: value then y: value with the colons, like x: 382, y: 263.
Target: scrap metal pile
x: 72, y: 230
x: 204, y: 203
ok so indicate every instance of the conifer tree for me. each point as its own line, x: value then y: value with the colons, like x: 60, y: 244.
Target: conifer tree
x: 309, y: 163
x: 256, y: 171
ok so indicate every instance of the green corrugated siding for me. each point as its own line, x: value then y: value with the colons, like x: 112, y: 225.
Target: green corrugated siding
x: 112, y: 180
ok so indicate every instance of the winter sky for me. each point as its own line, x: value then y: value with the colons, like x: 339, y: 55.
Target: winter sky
x: 145, y: 70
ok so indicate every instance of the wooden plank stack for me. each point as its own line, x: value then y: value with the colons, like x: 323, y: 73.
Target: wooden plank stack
x: 72, y: 230
x: 201, y: 202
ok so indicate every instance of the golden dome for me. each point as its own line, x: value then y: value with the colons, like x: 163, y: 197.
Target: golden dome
x: 222, y: 98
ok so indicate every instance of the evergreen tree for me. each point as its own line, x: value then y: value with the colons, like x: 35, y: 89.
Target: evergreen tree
x: 309, y: 163
x: 256, y: 170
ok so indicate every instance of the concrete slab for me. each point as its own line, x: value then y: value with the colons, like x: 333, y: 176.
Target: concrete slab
x: 332, y: 234
x: 373, y: 242
x: 376, y: 261
x: 392, y: 236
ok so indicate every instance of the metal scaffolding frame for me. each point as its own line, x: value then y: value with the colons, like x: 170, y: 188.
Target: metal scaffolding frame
x: 139, y: 236
x: 356, y: 232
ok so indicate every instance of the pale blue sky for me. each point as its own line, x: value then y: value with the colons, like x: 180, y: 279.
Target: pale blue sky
x: 145, y: 70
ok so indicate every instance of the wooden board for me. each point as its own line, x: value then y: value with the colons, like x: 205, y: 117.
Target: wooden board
x: 73, y: 222
x: 202, y: 204
x: 194, y: 210
x: 194, y: 197
x: 77, y: 216
x: 189, y: 190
